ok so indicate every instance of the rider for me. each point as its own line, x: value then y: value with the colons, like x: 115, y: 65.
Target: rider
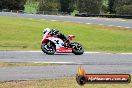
x: 59, y: 35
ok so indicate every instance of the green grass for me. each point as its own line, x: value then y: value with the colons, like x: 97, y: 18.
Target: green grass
x: 69, y: 82
x: 26, y: 34
x: 17, y: 64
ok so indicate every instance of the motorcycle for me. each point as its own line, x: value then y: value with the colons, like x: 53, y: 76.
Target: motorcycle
x: 51, y: 44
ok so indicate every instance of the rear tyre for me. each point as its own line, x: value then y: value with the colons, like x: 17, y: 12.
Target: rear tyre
x: 77, y: 49
x: 48, y: 48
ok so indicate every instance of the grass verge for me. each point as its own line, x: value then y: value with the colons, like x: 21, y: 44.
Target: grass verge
x: 17, y: 64
x: 26, y: 34
x: 58, y: 83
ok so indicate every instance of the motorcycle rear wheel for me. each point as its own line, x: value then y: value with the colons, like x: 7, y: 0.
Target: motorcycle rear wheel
x: 48, y: 48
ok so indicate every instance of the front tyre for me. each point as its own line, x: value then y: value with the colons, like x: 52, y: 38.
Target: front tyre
x: 77, y: 48
x: 48, y: 48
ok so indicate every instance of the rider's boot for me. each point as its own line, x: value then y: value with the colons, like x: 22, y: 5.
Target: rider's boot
x: 66, y: 43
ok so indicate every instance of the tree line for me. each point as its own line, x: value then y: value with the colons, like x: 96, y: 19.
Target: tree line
x: 68, y: 6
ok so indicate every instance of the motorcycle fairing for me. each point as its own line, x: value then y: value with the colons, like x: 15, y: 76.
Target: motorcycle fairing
x: 57, y: 41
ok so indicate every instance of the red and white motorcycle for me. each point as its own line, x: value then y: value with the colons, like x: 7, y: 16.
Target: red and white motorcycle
x: 53, y: 44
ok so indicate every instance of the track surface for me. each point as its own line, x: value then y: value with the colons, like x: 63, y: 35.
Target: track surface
x: 84, y: 20
x: 93, y: 63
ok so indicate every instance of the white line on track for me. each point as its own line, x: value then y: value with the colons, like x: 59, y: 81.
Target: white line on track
x: 119, y: 26
x: 111, y: 25
x: 43, y: 19
x: 84, y: 52
x: 88, y: 23
x: 30, y: 14
x: 122, y: 20
x: 101, y: 24
x: 108, y: 19
x: 68, y: 63
x: 56, y: 62
x: 104, y: 53
x: 23, y: 51
x: 79, y: 22
x: 127, y: 27
x: 94, y: 18
x: 53, y: 20
x: 115, y: 26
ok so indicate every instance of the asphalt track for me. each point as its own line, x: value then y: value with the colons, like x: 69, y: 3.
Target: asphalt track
x: 83, y: 20
x: 91, y: 62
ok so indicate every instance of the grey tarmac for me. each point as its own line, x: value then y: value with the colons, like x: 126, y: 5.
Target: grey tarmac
x: 91, y: 62
x: 83, y: 20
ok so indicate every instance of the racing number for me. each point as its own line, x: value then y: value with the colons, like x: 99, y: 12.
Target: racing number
x: 57, y: 41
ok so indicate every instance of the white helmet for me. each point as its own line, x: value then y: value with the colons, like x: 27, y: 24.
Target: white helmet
x: 46, y: 30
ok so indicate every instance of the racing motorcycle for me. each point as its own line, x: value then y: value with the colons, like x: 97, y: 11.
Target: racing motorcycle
x: 51, y: 44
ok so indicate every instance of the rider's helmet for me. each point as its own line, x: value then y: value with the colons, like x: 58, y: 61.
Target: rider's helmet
x: 46, y: 30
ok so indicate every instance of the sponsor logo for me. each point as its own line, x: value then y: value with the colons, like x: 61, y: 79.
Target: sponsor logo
x: 83, y: 78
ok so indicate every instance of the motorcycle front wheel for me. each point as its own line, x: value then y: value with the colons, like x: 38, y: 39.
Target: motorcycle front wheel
x: 48, y: 48
x: 77, y: 49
